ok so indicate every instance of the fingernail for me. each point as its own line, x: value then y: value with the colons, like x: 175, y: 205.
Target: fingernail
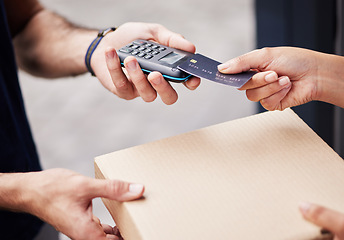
x: 193, y: 83
x: 110, y: 54
x: 284, y: 81
x: 304, y: 207
x: 156, y: 80
x: 135, y: 188
x: 223, y: 66
x: 271, y: 77
x: 131, y: 65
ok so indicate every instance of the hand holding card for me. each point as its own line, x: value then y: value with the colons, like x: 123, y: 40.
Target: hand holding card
x: 177, y: 65
x: 204, y: 67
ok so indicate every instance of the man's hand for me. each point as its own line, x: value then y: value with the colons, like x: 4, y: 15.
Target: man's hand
x: 63, y: 198
x: 326, y: 218
x: 133, y: 83
x: 290, y: 76
x: 50, y: 54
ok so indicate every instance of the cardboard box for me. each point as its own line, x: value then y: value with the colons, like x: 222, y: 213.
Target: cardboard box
x: 242, y: 179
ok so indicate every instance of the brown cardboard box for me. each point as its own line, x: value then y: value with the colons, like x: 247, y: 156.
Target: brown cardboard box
x: 242, y: 179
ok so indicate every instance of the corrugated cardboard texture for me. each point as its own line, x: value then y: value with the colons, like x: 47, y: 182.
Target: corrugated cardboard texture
x: 240, y: 180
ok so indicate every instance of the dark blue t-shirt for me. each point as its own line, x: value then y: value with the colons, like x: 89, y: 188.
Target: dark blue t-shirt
x: 17, y: 148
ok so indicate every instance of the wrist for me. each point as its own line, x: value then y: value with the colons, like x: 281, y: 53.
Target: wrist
x: 93, y: 46
x: 13, y: 193
x: 330, y: 79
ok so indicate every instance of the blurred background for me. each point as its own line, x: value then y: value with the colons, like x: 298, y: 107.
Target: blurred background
x: 75, y: 119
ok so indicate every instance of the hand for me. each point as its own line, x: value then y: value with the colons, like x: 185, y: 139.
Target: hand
x: 134, y: 82
x: 112, y: 232
x: 63, y: 199
x: 323, y: 217
x: 287, y: 76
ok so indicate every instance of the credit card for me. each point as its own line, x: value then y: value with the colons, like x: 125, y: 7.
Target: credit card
x: 204, y: 67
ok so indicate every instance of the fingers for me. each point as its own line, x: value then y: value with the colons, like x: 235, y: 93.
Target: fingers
x: 145, y: 90
x: 102, y: 231
x: 115, y: 190
x: 172, y: 39
x: 257, y: 59
x: 328, y: 219
x: 107, y: 229
x: 268, y: 90
x: 149, y: 88
x: 276, y: 101
x: 260, y: 79
x: 192, y: 83
x: 124, y: 89
x: 167, y: 93
x: 111, y: 233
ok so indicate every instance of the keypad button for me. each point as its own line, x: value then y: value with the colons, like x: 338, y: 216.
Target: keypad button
x: 148, y: 45
x: 135, y: 46
x: 141, y: 48
x: 141, y: 54
x: 139, y: 42
x: 148, y: 50
x: 134, y: 52
x: 155, y: 52
x: 155, y: 47
x: 162, y: 49
x: 125, y: 50
x: 148, y: 56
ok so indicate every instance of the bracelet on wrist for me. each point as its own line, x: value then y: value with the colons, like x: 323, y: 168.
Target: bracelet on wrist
x: 93, y: 46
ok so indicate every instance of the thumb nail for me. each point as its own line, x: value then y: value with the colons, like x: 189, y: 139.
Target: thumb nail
x: 304, y: 207
x: 110, y: 54
x: 136, y: 188
x: 223, y: 66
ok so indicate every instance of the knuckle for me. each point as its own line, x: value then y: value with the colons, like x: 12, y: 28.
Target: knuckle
x: 116, y: 187
x: 250, y: 94
x: 140, y: 80
x: 126, y: 95
x: 239, y: 60
x: 81, y: 185
x: 266, y: 50
x: 114, y: 67
x: 315, y: 213
x: 150, y: 97
x: 268, y: 105
x: 156, y: 27
x: 272, y: 89
x: 122, y: 85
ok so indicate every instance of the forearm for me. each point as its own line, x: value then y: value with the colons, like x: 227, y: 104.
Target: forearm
x: 12, y: 191
x: 50, y: 46
x: 331, y: 79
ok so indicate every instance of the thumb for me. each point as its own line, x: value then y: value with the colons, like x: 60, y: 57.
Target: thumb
x: 115, y: 190
x: 243, y: 63
x: 323, y: 217
x: 172, y: 39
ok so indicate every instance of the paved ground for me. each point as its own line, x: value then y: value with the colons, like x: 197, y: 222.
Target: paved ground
x: 75, y: 119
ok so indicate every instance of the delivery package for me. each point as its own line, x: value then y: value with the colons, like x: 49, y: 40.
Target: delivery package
x: 243, y: 179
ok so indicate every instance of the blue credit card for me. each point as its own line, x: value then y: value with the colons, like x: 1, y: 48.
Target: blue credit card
x: 204, y: 67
